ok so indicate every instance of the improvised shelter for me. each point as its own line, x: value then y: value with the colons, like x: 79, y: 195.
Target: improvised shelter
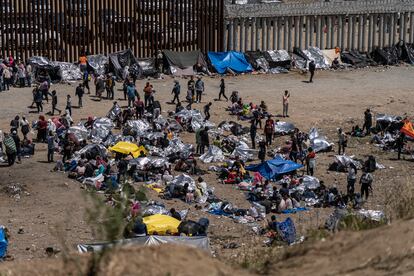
x: 272, y: 61
x: 200, y: 242
x: 120, y: 60
x: 272, y: 169
x: 98, y: 64
x: 405, y: 51
x: 225, y: 61
x: 385, y: 56
x: 148, y: 67
x: 182, y: 63
x: 44, y: 69
x: 68, y: 71
x: 356, y: 59
x: 331, y: 54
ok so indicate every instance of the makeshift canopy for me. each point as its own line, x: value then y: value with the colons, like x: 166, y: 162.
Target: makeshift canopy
x: 235, y: 61
x: 197, y: 242
x: 182, y: 63
x: 44, y: 69
x: 98, y: 64
x: 272, y: 169
x: 128, y: 148
x: 149, y: 69
x: 408, y: 129
x: 161, y: 224
x: 119, y: 60
x: 331, y: 54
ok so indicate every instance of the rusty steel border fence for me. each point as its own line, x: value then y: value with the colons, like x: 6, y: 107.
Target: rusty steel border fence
x: 62, y: 29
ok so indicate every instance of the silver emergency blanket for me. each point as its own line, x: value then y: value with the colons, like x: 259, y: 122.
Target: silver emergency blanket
x: 308, y: 183
x: 279, y: 55
x: 345, y: 161
x: 202, y: 243
x: 372, y: 214
x: 177, y: 146
x: 314, y: 53
x: 111, y: 140
x: 98, y: 63
x: 278, y: 70
x: 80, y: 132
x: 155, y: 208
x: 68, y: 71
x: 387, y: 118
x: 318, y: 142
x: 284, y: 128
x: 149, y: 162
x: 214, y: 154
x: 195, y: 117
x: 140, y: 126
x: 90, y: 151
x: 243, y: 151
x: 180, y: 180
x: 101, y: 128
x: 152, y: 135
x: 160, y: 122
x: 114, y: 112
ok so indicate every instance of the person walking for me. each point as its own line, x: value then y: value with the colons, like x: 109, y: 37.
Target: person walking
x: 29, y: 75
x: 262, y: 151
x: 367, y: 121
x: 100, y: 87
x: 310, y: 161
x: 207, y: 111
x: 285, y: 100
x: 176, y: 91
x: 10, y: 147
x: 253, y: 132
x: 109, y: 86
x: 79, y: 92
x: 131, y: 94
x: 7, y: 77
x: 44, y: 88
x: 199, y: 88
x: 189, y: 98
x: 147, y: 94
x: 223, y: 90
x: 342, y: 141
x: 54, y: 103
x: 50, y: 147
x: 191, y: 86
x: 312, y: 68
x: 21, y: 74
x: 15, y: 124
x: 68, y: 107
x: 39, y: 100
x: 351, y: 179
x: 366, y: 184
x: 139, y: 108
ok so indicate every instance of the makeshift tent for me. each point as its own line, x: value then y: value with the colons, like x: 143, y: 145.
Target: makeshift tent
x: 274, y: 62
x: 202, y: 243
x: 182, y: 63
x: 405, y: 52
x: 224, y: 61
x: 119, y: 60
x: 44, y: 69
x: 149, y: 69
x: 257, y: 60
x: 278, y: 58
x: 128, y: 148
x: 356, y: 59
x: 408, y: 129
x: 315, y: 54
x: 331, y: 54
x: 274, y: 168
x: 161, y: 224
x: 68, y: 71
x: 3, y: 242
x: 385, y: 56
x: 98, y: 64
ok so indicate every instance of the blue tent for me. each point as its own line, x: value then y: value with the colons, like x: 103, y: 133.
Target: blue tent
x: 274, y: 168
x: 235, y: 61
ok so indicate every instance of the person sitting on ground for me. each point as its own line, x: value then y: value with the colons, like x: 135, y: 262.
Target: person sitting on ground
x: 140, y: 228
x: 175, y: 214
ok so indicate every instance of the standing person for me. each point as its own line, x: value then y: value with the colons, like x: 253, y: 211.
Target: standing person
x: 38, y: 98
x: 21, y: 73
x: 198, y: 140
x: 54, y: 103
x: 147, y: 94
x: 86, y: 83
x: 207, y: 110
x: 189, y: 98
x: 400, y: 144
x: 67, y: 148
x: 294, y: 149
x: 68, y: 107
x: 312, y: 68
x: 366, y: 184
x: 269, y: 130
x: 285, y: 99
x: 131, y: 94
x: 351, y: 179
x: 176, y: 91
x: 29, y: 75
x: 18, y: 144
x: 342, y: 141
x: 253, y: 132
x: 160, y: 61
x: 83, y: 63
x: 100, y: 87
x: 191, y: 86
x: 1, y: 140
x: 199, y: 88
x: 79, y: 92
x: 41, y: 129
x: 10, y: 147
x: 7, y: 76
x: 15, y: 124
x: 139, y: 108
x: 205, y: 141
x: 310, y: 161
x: 1, y: 78
x: 223, y: 90
x: 44, y: 88
x: 50, y: 146
x: 262, y: 151
x: 367, y: 121
x: 24, y: 127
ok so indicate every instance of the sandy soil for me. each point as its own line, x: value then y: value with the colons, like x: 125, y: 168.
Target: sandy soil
x: 335, y: 99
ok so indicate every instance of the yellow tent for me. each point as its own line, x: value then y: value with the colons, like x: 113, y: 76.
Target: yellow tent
x: 127, y: 148
x: 161, y: 224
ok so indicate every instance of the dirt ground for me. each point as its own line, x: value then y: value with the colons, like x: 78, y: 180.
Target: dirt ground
x: 335, y: 99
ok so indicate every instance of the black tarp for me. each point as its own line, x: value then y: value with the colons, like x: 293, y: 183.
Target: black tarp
x: 356, y: 59
x: 405, y: 51
x: 148, y: 66
x: 272, y: 61
x: 385, y: 56
x: 98, y: 64
x: 182, y: 63
x: 44, y: 69
x: 119, y: 60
